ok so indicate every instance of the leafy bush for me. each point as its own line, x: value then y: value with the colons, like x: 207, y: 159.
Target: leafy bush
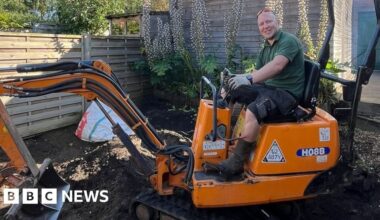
x: 116, y: 29
x: 133, y: 27
x: 249, y: 63
x: 209, y: 64
x: 87, y: 16
x: 327, y: 92
x: 172, y: 66
x: 15, y: 15
x: 172, y: 74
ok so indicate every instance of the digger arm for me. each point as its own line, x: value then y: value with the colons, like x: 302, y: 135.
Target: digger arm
x: 13, y: 145
x: 93, y: 80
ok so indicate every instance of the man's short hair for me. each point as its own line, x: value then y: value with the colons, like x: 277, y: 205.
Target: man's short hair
x: 264, y: 10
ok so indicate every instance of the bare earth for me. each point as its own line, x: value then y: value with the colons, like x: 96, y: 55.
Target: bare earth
x: 107, y: 166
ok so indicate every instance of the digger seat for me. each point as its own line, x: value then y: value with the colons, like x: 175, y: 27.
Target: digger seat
x: 312, y: 75
x: 309, y: 100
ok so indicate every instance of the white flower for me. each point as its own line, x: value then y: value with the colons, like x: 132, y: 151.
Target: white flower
x: 199, y: 28
x: 231, y: 25
x: 277, y: 7
x: 160, y: 46
x: 176, y: 12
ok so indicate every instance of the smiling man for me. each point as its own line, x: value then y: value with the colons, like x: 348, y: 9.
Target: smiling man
x: 274, y: 88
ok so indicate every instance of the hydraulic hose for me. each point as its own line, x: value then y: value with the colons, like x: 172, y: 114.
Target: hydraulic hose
x: 70, y: 72
x: 180, y: 149
x: 104, y: 94
x: 123, y: 106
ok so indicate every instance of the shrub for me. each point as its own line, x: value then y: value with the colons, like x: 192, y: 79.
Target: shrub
x: 327, y: 93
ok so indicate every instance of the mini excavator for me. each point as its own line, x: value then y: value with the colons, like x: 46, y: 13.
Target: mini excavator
x: 292, y: 160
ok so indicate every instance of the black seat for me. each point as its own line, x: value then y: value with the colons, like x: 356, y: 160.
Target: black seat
x: 312, y: 75
x: 309, y: 100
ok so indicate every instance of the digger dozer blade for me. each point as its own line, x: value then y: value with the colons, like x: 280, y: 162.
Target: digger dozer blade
x: 48, y: 178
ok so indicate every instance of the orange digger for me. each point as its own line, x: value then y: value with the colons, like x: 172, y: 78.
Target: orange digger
x: 292, y: 160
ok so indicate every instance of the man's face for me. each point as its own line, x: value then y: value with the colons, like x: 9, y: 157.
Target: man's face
x: 268, y: 25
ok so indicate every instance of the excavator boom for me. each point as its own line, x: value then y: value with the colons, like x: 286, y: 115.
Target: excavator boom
x: 93, y: 80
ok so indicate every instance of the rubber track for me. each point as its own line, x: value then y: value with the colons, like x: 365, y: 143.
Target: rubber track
x: 181, y: 207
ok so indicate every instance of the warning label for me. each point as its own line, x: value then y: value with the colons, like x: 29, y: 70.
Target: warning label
x: 274, y: 154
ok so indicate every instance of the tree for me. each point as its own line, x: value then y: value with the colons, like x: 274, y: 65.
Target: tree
x: 87, y: 16
x: 15, y: 15
x: 44, y: 9
x: 160, y: 5
x: 133, y: 6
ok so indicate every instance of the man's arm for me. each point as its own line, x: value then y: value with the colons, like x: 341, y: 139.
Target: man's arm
x: 271, y: 69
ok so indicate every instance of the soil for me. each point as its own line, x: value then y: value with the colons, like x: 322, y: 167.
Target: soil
x: 107, y: 166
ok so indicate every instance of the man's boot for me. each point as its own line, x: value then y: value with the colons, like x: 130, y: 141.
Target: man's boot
x: 234, y: 164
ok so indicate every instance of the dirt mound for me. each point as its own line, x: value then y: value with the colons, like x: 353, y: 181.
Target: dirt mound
x: 108, y: 166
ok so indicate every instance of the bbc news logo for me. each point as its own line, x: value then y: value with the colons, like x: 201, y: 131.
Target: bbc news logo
x: 50, y: 196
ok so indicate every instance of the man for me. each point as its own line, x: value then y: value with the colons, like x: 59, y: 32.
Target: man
x: 280, y: 66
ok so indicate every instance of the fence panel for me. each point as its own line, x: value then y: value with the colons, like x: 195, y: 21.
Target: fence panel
x: 35, y: 115
x: 121, y: 52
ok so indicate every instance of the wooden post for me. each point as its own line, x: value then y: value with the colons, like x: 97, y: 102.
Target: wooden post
x: 110, y: 26
x: 86, y: 47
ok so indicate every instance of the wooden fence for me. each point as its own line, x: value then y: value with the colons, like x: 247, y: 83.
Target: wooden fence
x: 120, y: 53
x: 248, y: 38
x: 40, y: 114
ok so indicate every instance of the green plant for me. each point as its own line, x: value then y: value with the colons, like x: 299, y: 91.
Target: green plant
x: 116, y: 29
x: 231, y: 27
x: 140, y: 66
x: 189, y: 90
x: 333, y: 66
x: 133, y: 27
x: 327, y: 93
x: 133, y: 6
x: 234, y: 58
x: 16, y: 15
x: 173, y: 68
x: 249, y: 63
x: 160, y: 67
x: 199, y: 28
x: 304, y: 33
x: 209, y: 64
x: 87, y: 16
x: 165, y: 71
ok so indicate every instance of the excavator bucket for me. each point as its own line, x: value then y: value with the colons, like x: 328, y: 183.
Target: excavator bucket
x: 48, y: 179
x: 43, y: 177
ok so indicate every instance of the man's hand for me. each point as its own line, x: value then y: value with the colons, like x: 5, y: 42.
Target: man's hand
x: 237, y: 81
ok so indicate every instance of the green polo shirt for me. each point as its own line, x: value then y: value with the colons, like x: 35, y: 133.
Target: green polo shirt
x: 292, y: 77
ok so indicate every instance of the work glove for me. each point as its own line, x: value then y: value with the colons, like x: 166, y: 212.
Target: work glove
x: 239, y: 80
